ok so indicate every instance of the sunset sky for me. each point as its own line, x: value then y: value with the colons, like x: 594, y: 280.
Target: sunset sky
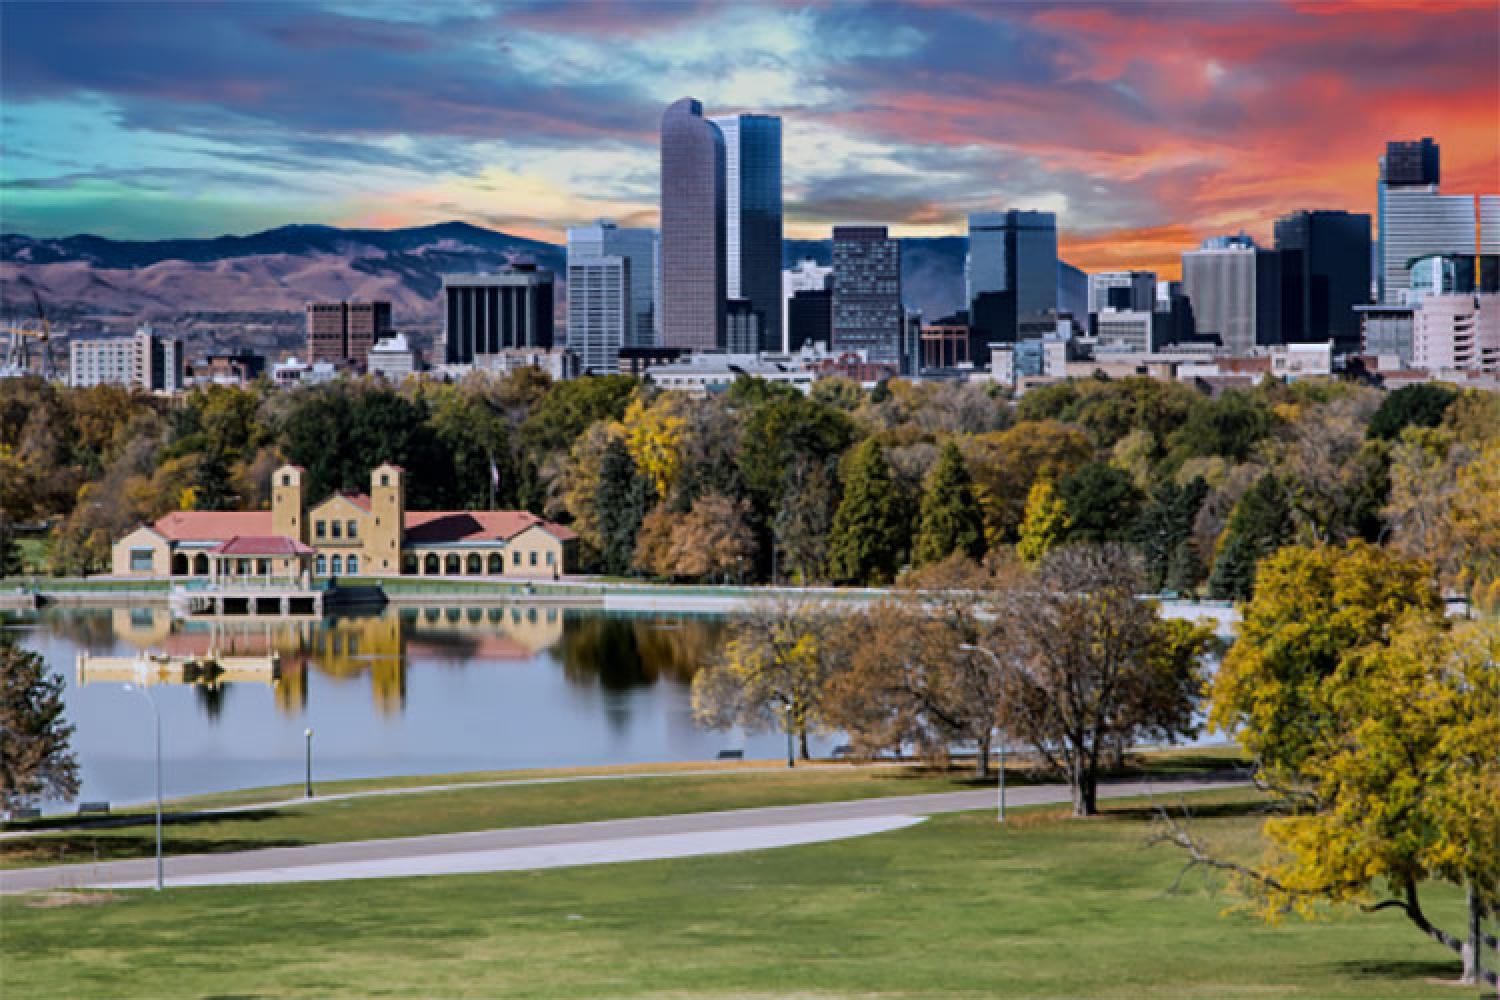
x: 1145, y: 126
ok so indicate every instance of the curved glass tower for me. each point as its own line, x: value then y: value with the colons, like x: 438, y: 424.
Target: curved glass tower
x: 693, y: 273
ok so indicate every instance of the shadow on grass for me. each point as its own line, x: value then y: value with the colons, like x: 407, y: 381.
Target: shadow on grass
x: 1389, y: 970
x: 1196, y: 810
x: 126, y: 820
x: 82, y: 849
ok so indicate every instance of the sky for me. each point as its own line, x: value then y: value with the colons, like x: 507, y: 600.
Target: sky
x: 1146, y: 126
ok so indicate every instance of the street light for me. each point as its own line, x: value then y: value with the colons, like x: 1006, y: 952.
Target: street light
x: 156, y: 715
x: 308, y: 733
x: 1000, y: 743
x: 791, y: 756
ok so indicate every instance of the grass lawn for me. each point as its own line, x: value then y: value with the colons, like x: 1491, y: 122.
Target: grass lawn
x: 1047, y: 907
x: 484, y: 808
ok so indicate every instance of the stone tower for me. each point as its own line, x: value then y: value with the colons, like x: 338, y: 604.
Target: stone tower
x: 388, y: 509
x: 289, y: 503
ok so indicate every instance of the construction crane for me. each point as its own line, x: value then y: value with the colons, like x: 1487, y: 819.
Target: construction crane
x: 18, y: 353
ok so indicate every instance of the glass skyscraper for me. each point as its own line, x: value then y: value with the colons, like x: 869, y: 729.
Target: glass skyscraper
x: 867, y: 311
x: 1325, y: 273
x: 693, y: 273
x: 1011, y: 275
x: 752, y: 217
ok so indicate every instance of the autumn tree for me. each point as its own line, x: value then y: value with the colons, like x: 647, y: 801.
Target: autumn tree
x: 771, y: 673
x: 1006, y: 465
x: 36, y: 760
x: 1045, y: 524
x: 870, y: 528
x: 950, y: 520
x: 805, y: 519
x: 713, y: 541
x: 654, y: 435
x: 907, y: 674
x: 1373, y: 724
x: 1088, y: 666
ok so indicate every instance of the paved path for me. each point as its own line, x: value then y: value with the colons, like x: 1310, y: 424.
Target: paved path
x: 560, y: 845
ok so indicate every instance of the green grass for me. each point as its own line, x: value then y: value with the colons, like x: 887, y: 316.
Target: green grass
x: 1048, y: 907
x: 483, y: 808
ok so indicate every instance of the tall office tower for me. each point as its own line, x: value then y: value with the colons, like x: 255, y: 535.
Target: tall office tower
x: 693, y: 273
x: 1132, y: 290
x: 1415, y: 219
x: 639, y: 247
x: 1325, y: 273
x: 1234, y: 288
x: 485, y: 314
x: 807, y: 276
x: 867, y: 311
x: 1011, y: 276
x: 599, y: 309
x: 343, y: 332
x: 752, y: 217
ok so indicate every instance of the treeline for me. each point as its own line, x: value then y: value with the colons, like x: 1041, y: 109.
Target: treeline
x: 760, y: 483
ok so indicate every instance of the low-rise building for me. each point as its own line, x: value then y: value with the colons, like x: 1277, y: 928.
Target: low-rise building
x: 141, y: 361
x: 701, y: 374
x: 392, y: 358
x: 346, y: 535
x: 559, y: 363
x: 1457, y: 333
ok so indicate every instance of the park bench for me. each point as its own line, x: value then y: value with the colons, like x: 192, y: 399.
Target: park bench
x: 731, y: 755
x: 93, y: 808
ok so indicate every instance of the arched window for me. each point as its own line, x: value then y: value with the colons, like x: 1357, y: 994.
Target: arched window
x: 200, y: 565
x: 476, y: 564
x: 452, y: 566
x: 338, y: 565
x: 321, y: 565
x: 432, y: 565
x: 497, y: 564
x: 180, y: 564
x: 409, y: 564
x: 352, y: 565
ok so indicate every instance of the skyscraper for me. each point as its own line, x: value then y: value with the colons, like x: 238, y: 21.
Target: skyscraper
x: 1134, y: 290
x: 867, y: 311
x: 1416, y: 220
x: 1234, y: 288
x: 343, y: 332
x: 752, y: 217
x: 488, y: 313
x: 1012, y: 276
x: 693, y: 272
x: 1325, y: 273
x: 618, y: 270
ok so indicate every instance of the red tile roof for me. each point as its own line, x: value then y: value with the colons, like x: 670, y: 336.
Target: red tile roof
x: 436, y: 527
x: 262, y: 545
x: 360, y: 500
x: 212, y: 525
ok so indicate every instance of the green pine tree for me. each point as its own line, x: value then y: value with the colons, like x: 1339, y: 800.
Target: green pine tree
x: 621, y: 502
x: 1259, y: 525
x: 870, y: 530
x: 951, y: 520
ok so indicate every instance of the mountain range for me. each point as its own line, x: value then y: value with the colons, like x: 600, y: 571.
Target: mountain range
x: 95, y: 281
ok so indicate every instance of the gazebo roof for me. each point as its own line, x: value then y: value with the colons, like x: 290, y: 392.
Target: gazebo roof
x: 261, y: 545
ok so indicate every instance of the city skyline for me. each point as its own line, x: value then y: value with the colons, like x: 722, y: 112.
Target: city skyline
x: 531, y: 119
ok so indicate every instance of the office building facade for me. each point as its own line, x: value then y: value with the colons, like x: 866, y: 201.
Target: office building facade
x: 599, y: 309
x: 342, y: 333
x: 867, y: 311
x: 1325, y: 273
x: 141, y: 361
x: 753, y: 217
x: 489, y: 313
x: 1417, y: 220
x: 1011, y: 277
x: 806, y: 275
x: 638, y: 246
x: 1457, y: 333
x: 694, y: 276
x: 1234, y: 290
x: 1133, y: 290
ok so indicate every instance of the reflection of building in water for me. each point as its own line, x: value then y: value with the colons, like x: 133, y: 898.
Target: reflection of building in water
x: 349, y: 647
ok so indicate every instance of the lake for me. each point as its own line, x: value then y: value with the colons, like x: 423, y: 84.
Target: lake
x: 410, y: 691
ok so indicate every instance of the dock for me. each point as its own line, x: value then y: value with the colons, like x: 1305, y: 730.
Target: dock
x: 150, y: 669
x: 268, y: 600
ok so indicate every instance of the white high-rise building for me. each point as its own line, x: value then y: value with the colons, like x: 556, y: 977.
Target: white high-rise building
x: 641, y: 248
x: 140, y: 361
x: 598, y: 309
x: 1416, y: 222
x: 1234, y: 288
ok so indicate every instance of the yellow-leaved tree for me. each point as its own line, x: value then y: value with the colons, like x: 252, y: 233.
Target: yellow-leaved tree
x: 1374, y: 724
x: 654, y: 433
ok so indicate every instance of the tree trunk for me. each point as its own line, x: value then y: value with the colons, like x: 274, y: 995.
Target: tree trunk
x: 802, y: 744
x: 1117, y: 752
x: 1085, y: 788
x: 982, y: 759
x: 1472, y: 951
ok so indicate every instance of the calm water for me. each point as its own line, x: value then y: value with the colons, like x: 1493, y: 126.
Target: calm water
x: 408, y: 692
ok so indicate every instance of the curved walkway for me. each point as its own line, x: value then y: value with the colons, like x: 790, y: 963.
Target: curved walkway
x: 558, y: 846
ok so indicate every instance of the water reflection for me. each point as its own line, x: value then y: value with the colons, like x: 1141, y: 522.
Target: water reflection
x: 613, y: 653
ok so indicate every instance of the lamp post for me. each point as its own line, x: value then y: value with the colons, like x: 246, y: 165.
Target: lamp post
x: 999, y: 730
x: 156, y: 717
x: 308, y: 734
